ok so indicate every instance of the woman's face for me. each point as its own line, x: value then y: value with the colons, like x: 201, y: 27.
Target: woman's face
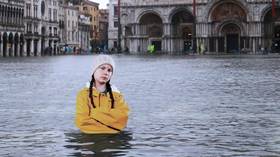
x: 103, y: 74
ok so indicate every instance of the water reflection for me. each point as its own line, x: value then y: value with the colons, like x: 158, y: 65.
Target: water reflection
x: 100, y: 145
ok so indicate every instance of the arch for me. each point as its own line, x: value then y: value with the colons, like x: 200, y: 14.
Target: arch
x: 5, y: 42
x: 227, y: 9
x: 21, y: 43
x: 176, y: 10
x: 267, y: 14
x: 181, y: 20
x: 43, y: 31
x: 16, y: 41
x: 150, y: 18
x: 230, y: 28
x: 10, y: 43
x: 233, y: 22
x: 231, y: 33
x: 182, y: 29
x: 11, y: 38
x: 271, y: 29
x: 151, y: 25
x: 150, y: 28
x: 146, y: 12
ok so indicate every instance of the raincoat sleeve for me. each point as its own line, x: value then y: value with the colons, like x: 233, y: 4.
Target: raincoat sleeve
x: 83, y: 119
x: 114, y: 117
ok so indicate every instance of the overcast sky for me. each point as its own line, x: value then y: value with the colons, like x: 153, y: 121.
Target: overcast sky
x: 102, y: 3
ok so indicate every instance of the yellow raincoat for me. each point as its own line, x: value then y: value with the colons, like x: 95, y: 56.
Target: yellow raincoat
x: 102, y: 119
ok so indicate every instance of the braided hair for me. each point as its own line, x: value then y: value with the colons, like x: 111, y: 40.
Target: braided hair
x: 108, y: 88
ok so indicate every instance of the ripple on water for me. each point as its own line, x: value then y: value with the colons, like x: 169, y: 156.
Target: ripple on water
x: 180, y: 106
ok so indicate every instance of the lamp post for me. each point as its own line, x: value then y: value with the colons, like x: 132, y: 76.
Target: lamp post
x: 119, y: 27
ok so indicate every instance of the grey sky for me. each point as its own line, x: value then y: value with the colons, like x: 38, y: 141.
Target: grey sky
x: 102, y: 3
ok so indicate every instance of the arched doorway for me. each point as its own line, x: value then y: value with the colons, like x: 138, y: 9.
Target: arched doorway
x: 10, y: 44
x: 35, y: 48
x: 182, y: 24
x: 231, y: 33
x: 16, y: 44
x: 21, y: 42
x: 228, y: 19
x: 272, y: 31
x: 151, y: 28
x: 28, y: 47
x: 5, y: 42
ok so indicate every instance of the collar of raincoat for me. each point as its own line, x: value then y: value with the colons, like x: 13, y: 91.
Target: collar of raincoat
x: 96, y: 93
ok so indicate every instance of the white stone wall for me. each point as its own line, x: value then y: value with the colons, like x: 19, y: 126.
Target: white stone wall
x: 112, y: 31
x: 71, y: 19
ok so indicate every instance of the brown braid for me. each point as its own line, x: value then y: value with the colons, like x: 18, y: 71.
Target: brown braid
x: 108, y: 86
x: 90, y: 91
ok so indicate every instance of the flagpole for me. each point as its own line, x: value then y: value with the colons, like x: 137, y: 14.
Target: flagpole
x: 119, y: 27
x: 273, y: 8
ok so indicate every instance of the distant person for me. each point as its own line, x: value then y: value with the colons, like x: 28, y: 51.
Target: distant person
x: 151, y: 48
x: 100, y: 107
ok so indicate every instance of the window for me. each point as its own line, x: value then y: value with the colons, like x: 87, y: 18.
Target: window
x: 50, y: 30
x: 69, y: 36
x: 55, y: 30
x: 35, y: 11
x: 116, y: 11
x: 54, y: 14
x: 28, y: 10
x: 73, y: 34
x: 29, y: 28
x: 50, y: 14
x: 36, y: 28
x: 115, y: 23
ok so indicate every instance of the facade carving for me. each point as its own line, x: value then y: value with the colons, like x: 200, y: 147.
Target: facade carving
x: 228, y: 26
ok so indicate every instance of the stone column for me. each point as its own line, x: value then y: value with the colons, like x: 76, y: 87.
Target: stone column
x: 1, y: 47
x: 39, y: 53
x: 217, y: 45
x: 165, y: 40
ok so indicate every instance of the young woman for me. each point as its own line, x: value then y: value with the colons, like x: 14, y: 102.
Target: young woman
x: 100, y: 107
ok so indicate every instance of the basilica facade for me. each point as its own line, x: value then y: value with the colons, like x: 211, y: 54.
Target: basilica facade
x: 211, y: 27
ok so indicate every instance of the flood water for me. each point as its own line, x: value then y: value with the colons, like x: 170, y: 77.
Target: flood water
x: 180, y: 106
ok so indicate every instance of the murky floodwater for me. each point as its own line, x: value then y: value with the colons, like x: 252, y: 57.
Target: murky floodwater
x: 181, y: 106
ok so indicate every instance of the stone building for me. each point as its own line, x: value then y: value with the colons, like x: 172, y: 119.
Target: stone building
x: 70, y: 31
x: 11, y: 28
x: 113, y: 24
x: 92, y: 8
x: 103, y: 28
x: 41, y: 27
x: 218, y: 27
x: 85, y: 28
